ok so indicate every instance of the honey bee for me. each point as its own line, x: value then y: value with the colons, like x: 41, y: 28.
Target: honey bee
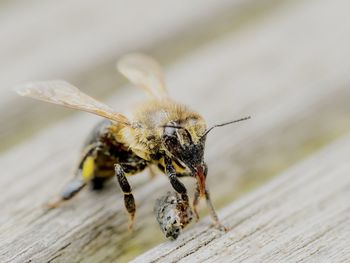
x: 160, y: 132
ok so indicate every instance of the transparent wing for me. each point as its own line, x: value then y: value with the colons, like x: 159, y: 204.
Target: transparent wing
x: 144, y: 72
x: 62, y: 93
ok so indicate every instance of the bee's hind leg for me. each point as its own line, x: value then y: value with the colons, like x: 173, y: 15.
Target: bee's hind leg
x: 84, y: 174
x: 74, y: 187
x: 69, y: 191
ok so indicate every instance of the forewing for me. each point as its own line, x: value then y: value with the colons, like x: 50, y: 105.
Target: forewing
x: 62, y: 93
x: 144, y: 72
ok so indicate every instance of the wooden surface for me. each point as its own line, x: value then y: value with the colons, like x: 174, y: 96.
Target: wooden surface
x: 286, y: 67
x: 301, y: 216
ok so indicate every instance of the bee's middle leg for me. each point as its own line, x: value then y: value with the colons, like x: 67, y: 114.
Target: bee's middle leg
x: 129, y: 200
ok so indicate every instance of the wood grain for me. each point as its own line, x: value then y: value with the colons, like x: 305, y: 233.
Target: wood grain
x: 294, y: 84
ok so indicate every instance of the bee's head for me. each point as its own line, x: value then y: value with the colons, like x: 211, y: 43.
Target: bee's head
x: 185, y: 143
x: 186, y: 140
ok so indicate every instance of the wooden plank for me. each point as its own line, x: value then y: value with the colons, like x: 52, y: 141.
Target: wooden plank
x: 73, y: 35
x: 302, y: 215
x: 244, y: 67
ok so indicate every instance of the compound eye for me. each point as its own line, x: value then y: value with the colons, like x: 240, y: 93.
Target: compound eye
x: 185, y: 136
x: 180, y: 134
x: 171, y: 139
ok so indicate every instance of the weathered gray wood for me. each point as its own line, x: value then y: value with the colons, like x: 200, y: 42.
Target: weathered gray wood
x: 73, y: 35
x: 285, y: 89
x: 302, y: 215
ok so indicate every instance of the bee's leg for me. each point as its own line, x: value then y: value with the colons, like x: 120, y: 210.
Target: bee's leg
x: 97, y: 183
x: 174, y: 180
x: 213, y: 213
x: 69, y: 191
x: 211, y: 208
x: 196, y: 195
x: 83, y: 175
x: 129, y: 200
x: 195, y: 203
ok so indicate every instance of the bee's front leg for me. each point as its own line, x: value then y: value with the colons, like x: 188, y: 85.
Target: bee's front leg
x: 213, y: 214
x: 174, y: 180
x: 211, y: 208
x: 195, y: 203
x: 129, y: 200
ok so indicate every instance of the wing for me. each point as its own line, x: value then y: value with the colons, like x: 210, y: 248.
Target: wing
x: 144, y: 72
x: 62, y: 93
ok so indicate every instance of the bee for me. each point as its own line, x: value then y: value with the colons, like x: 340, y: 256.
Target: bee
x: 160, y: 132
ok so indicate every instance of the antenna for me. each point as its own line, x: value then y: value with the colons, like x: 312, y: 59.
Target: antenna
x: 224, y: 124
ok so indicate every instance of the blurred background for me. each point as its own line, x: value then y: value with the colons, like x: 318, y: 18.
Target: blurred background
x: 286, y: 63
